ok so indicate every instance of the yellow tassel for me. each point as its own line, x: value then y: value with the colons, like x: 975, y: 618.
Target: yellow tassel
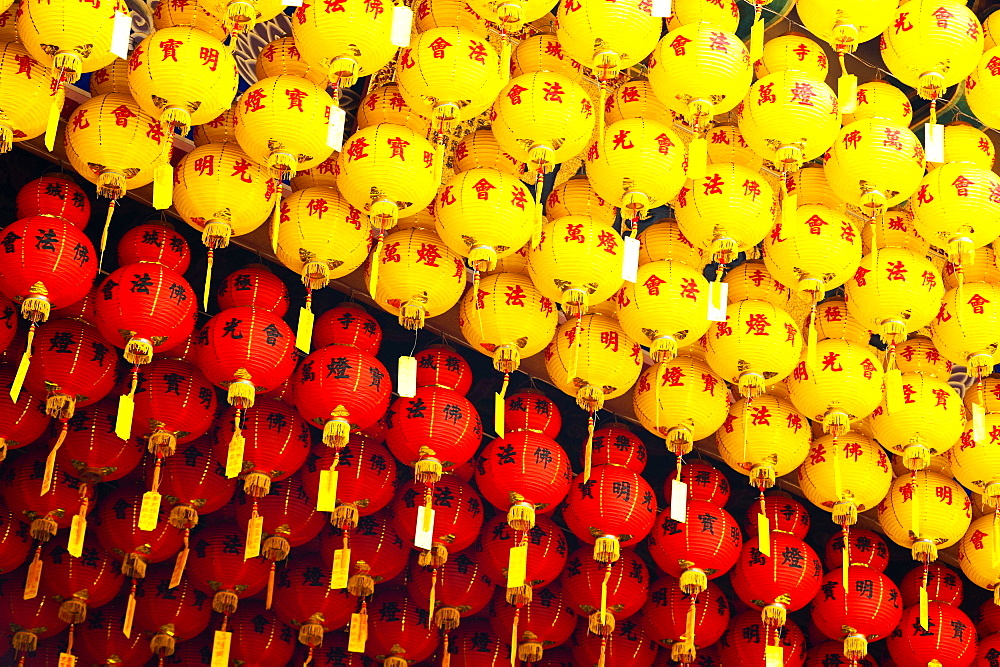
x: 276, y: 217
x: 104, y: 232
x: 588, y: 451
x: 602, y: 100
x: 607, y: 549
x: 374, y: 263
x: 52, y: 127
x: 208, y: 278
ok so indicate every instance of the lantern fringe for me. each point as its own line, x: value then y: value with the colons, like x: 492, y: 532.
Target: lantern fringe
x: 24, y: 641
x: 590, y: 398
x: 311, y: 634
x: 275, y: 548
x: 281, y: 164
x: 60, y: 406
x: 315, y: 275
x: 762, y: 476
x: 679, y: 440
x: 663, y: 348
x: 394, y: 660
x: 531, y: 650
x: 924, y: 550
x: 916, y: 455
x: 483, y: 258
x: 176, y: 117
x: 134, y: 566
x: 361, y: 584
x: 138, y: 351
x: 225, y: 602
x: 257, y: 484
x: 521, y: 517
x: 506, y: 358
x: 162, y: 644
x: 751, y: 384
x: 599, y: 626
x: 36, y: 307
x: 836, y: 423
x: 436, y: 556
x: 427, y: 470
x: 845, y: 512
x: 723, y: 249
x: 930, y: 85
x: 241, y: 391
x: 73, y: 610
x: 855, y: 647
x: 217, y: 234
x: 774, y: 615
x: 693, y: 581
x: 412, y: 315
x: 683, y: 652
x: 575, y: 301
x: 6, y: 138
x: 162, y: 443
x: 344, y: 71
x: 892, y: 331
x: 607, y: 549
x: 345, y: 516
x: 447, y: 618
x: 43, y: 528
x: 111, y: 184
x: 522, y: 595
x: 183, y: 516
x: 337, y: 430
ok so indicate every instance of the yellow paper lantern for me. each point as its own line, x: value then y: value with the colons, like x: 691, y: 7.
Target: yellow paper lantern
x: 483, y: 214
x: 188, y: 14
x: 726, y: 144
x: 8, y: 23
x: 898, y: 295
x: 958, y: 208
x: 419, y: 277
x: 681, y: 401
x: 512, y: 14
x: 764, y: 439
x: 544, y: 53
x: 728, y: 211
x: 219, y: 130
x: 324, y: 174
x: 663, y: 240
x: 844, y: 386
x: 895, y: 229
x: 857, y: 482
x: 607, y: 36
x: 981, y: 269
x: 578, y: 197
x: 577, y: 263
x: 920, y: 32
x: 967, y: 328
x: 506, y: 318
x: 789, y: 118
x: 918, y: 355
x: 880, y: 99
x: 282, y: 56
x: 111, y: 78
x: 637, y: 165
x: 977, y: 553
x: 321, y: 237
x: 875, y: 164
x: 386, y: 104
x: 723, y: 14
x: 700, y: 71
x: 975, y: 459
x: 940, y: 463
x: 480, y: 149
x: 424, y: 218
x: 925, y: 511
x: 348, y: 38
x: 666, y: 307
x: 542, y: 118
x: 70, y: 38
x: 753, y: 280
x: 757, y: 346
x: 816, y: 251
x: 990, y: 31
x: 593, y: 359
x: 513, y: 263
x: 242, y: 15
x: 982, y: 88
x: 814, y: 188
x: 282, y: 122
x: 25, y: 96
x: 834, y: 320
x: 387, y: 171
x: 793, y: 51
x: 985, y: 393
x: 964, y: 143
x: 636, y: 99
x: 430, y: 14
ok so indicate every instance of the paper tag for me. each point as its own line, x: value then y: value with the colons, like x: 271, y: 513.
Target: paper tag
x: 304, y: 334
x: 406, y: 383
x: 67, y: 660
x: 718, y: 301
x: 978, y: 423
x: 517, y: 566
x: 697, y: 158
x: 179, y: 565
x: 291, y: 3
x: 847, y: 93
x: 812, y: 343
x: 129, y: 617
x: 789, y: 206
x: 924, y: 620
x: 34, y: 577
x: 499, y: 406
x: 341, y: 569
x: 662, y: 9
x: 234, y: 458
x: 894, y: 390
x: 358, y: 634
x: 933, y: 142
x: 220, y: 648
x: 764, y: 534
x: 845, y: 566
x: 402, y: 25
x: 424, y: 536
x: 149, y: 511
x: 678, y: 500
x: 77, y: 531
x: 50, y: 468
x: 163, y: 181
x: 630, y: 259
x: 335, y: 128
x: 120, y: 34
x: 123, y: 423
x: 327, y: 500
x: 22, y: 371
x: 774, y: 656
x: 255, y: 529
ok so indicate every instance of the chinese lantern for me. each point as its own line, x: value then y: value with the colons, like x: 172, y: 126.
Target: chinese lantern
x: 955, y: 208
x: 869, y: 610
x: 615, y: 444
x: 724, y: 14
x: 664, y: 240
x: 727, y: 211
x: 918, y: 355
x: 925, y: 421
x: 793, y: 51
x: 111, y: 78
x: 253, y: 285
x: 118, y: 531
x: 338, y: 388
x: 785, y: 515
x: 304, y: 599
x: 963, y: 330
x: 219, y: 130
x: 476, y: 645
x: 943, y: 583
x: 543, y: 53
x: 193, y: 483
x: 622, y: 512
x: 542, y: 624
x: 880, y: 99
x: 764, y: 438
x: 88, y: 582
x: 174, y: 403
x: 627, y: 644
x: 323, y: 174
x: 385, y: 104
x: 321, y: 236
x: 26, y: 97
x: 964, y: 143
x: 480, y: 150
x: 786, y: 580
x: 925, y: 511
x: 217, y: 567
x: 348, y: 324
x: 92, y: 451
x: 547, y: 554
x: 578, y: 197
x: 670, y: 614
x: 950, y: 636
x: 976, y: 555
x: 752, y: 280
x: 30, y: 620
x: 726, y: 144
x: 378, y: 552
x: 982, y: 268
x: 748, y: 638
x: 460, y: 589
x: 704, y: 482
x: 418, y: 276
x: 856, y: 484
x: 155, y: 242
x: 636, y: 99
x: 865, y: 548
x: 458, y: 516
x: 971, y: 459
x: 542, y: 119
x: 259, y: 637
x: 531, y: 410
x: 56, y: 195
x: 833, y: 320
x: 191, y: 14
x: 15, y: 545
x: 398, y: 634
x: 814, y: 188
x: 169, y: 615
x: 49, y: 512
x: 981, y: 85
x: 986, y: 618
x: 245, y: 350
x: 366, y: 480
x: 288, y: 519
x: 282, y: 56
x: 22, y: 421
x: 442, y: 366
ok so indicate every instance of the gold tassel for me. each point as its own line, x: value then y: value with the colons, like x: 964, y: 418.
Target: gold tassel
x: 602, y: 100
x: 276, y: 217
x: 756, y: 35
x: 374, y: 263
x: 513, y: 637
x: 104, y: 232
x: 52, y: 126
x: 208, y: 278
x: 588, y: 451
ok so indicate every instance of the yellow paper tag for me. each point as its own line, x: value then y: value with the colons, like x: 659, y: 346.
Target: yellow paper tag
x: 718, y: 301
x: 845, y: 564
x: 220, y: 648
x: 341, y: 569
x: 163, y: 182
x: 129, y: 617
x: 406, y: 377
x: 978, y: 424
x: 757, y: 40
x: 50, y: 469
x: 678, y: 500
x: 327, y: 499
x: 847, y: 92
x: 774, y: 656
x: 149, y: 511
x: 358, y: 634
x: 255, y: 529
x: 924, y: 620
x: 123, y: 423
x: 894, y: 390
x: 812, y: 362
x: 517, y: 566
x: 179, y: 565
x: 67, y: 660
x: 52, y: 126
x: 303, y: 336
x: 234, y: 459
x: 764, y: 534
x: 424, y: 536
x: 77, y: 531
x: 697, y: 158
x: 789, y: 205
x: 34, y: 577
x: 22, y: 371
x: 499, y: 406
x: 933, y: 142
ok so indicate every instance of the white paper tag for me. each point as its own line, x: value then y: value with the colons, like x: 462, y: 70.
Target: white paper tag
x: 678, y: 501
x: 661, y: 9
x: 630, y: 259
x: 424, y: 537
x: 335, y: 129
x: 934, y: 142
x: 402, y: 25
x: 718, y: 301
x: 120, y: 34
x: 406, y: 383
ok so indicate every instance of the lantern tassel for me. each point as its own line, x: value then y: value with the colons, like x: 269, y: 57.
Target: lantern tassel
x: 276, y: 217
x: 774, y: 615
x: 607, y: 549
x: 447, y: 618
x: 588, y: 451
x: 514, y: 648
x: 208, y: 278
x: 104, y: 232
x: 855, y: 647
x: 58, y: 99
x: 270, y: 586
x: 374, y: 263
x: 693, y: 581
x: 445, y: 652
x: 601, y: 660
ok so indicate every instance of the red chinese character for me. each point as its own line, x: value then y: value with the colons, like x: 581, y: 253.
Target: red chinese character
x: 859, y: 276
x: 477, y: 52
x: 519, y: 197
x: 573, y: 233
x: 908, y: 392
x: 973, y: 29
x: 803, y: 93
x: 252, y: 98
x: 800, y: 373
x: 892, y: 138
x: 545, y: 305
x: 295, y: 97
x: 203, y: 164
x: 923, y: 197
x: 689, y: 289
x: 652, y: 284
x: 586, y: 108
x: 775, y: 238
x: 817, y: 454
x: 902, y: 24
x: 994, y: 66
x: 678, y: 45
x: 801, y: 51
x: 374, y: 7
x: 977, y: 302
x: 896, y: 271
x: 482, y: 188
x: 713, y: 184
x: 122, y: 113
x: 553, y: 92
x: 554, y: 49
x: 761, y: 416
x: 169, y: 47
x: 665, y: 144
x: 398, y: 144
x: 621, y: 140
x: 610, y: 340
x: 210, y: 57
x: 447, y: 199
x: 334, y: 6
x: 831, y: 364
x: 868, y: 368
x: 994, y: 434
x: 943, y: 494
x: 720, y: 137
x: 847, y: 232
x: 356, y: 150
x: 794, y: 422
x: 790, y: 331
x: 942, y: 398
x: 608, y: 241
x: 751, y: 189
x: 682, y: 196
x: 977, y: 538
x: 515, y: 93
x: 929, y: 279
x: 672, y: 377
x: 942, y: 15
x: 353, y: 217
x: 241, y: 168
x: 428, y: 254
x: 710, y: 382
x: 766, y: 94
x: 757, y: 323
x: 317, y: 207
x: 24, y: 63
x: 718, y: 41
x: 438, y: 46
x: 962, y: 186
x: 515, y: 295
x: 723, y: 329
x: 80, y: 121
x: 815, y: 222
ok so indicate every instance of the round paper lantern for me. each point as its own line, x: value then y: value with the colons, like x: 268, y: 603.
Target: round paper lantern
x: 282, y: 56
x: 663, y: 240
x: 476, y: 645
x: 975, y: 556
x: 793, y: 51
x: 259, y: 637
x: 981, y: 86
x: 724, y: 15
x: 943, y: 583
x: 81, y: 584
x: 379, y: 553
x: 869, y: 610
x: 949, y: 638
x: 543, y: 53
x: 30, y: 620
x: 216, y: 566
x: 705, y: 546
x: 764, y: 438
x: 16, y: 542
x: 971, y: 460
x: 104, y: 641
x: 681, y: 400
x: 290, y: 518
x: 863, y: 472
x: 349, y: 42
x: 366, y: 479
x: 68, y: 38
x: 385, y: 104
x: 578, y: 197
x: 865, y: 548
x: 786, y: 580
x: 752, y: 280
x: 747, y: 638
x: 458, y: 514
x: 627, y: 644
x: 664, y: 616
x: 460, y: 589
x: 112, y: 78
x: 155, y: 242
x: 193, y: 483
x: 880, y: 99
x: 323, y: 174
x: 704, y: 482
x: 442, y: 366
x: 965, y: 143
x: 844, y: 24
x: 480, y: 150
x: 636, y: 99
x: 92, y: 451
x: 530, y: 410
x: 540, y: 625
x: 304, y: 600
x: 547, y: 552
x: 918, y: 355
x: 46, y: 513
x: 174, y: 403
x: 607, y: 39
x: 615, y: 444
x: 118, y: 531
x: 348, y: 324
x: 169, y: 615
x: 587, y: 585
x: 219, y: 130
x: 954, y: 207
x: 833, y: 320
x: 23, y: 421
x: 56, y: 195
x: 940, y: 519
x: 253, y: 285
x: 397, y: 630
x: 785, y: 515
x: 963, y: 331
x: 189, y: 14
x: 981, y: 268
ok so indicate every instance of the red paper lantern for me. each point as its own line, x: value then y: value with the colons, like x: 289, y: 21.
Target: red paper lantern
x: 531, y: 410
x: 48, y: 263
x: 254, y: 285
x: 334, y: 653
x: 458, y: 513
x: 72, y: 365
x: 174, y: 404
x: 259, y: 638
x: 785, y: 515
x: 366, y: 481
x: 21, y: 484
x: 474, y: 644
x: 193, y: 483
x: 246, y: 351
x: 867, y: 548
x: 560, y: 656
x: 157, y: 242
x: 873, y: 608
x: 27, y: 621
x: 8, y: 321
x: 950, y: 637
x: 100, y: 640
x: 665, y: 613
x: 547, y: 551
x: 197, y: 651
x: 787, y: 580
x: 523, y: 473
x: 378, y: 553
x: 831, y: 654
x: 54, y: 195
x: 88, y: 582
x: 461, y: 586
x: 705, y: 482
x: 92, y: 451
x: 84, y: 309
x: 626, y: 587
x: 118, y: 531
x: 435, y: 430
x: 15, y: 542
x: 304, y: 600
x: 988, y: 653
x: 704, y: 547
x: 543, y: 623
x: 628, y: 644
x: 216, y: 566
x: 276, y: 443
x: 339, y: 388
x: 348, y: 324
x: 21, y: 422
x: 186, y: 350
x: 943, y: 584
x: 747, y: 638
x: 169, y: 615
x: 987, y: 619
x: 398, y: 628
x: 615, y: 507
x: 442, y: 366
x: 290, y: 518
x: 617, y: 445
